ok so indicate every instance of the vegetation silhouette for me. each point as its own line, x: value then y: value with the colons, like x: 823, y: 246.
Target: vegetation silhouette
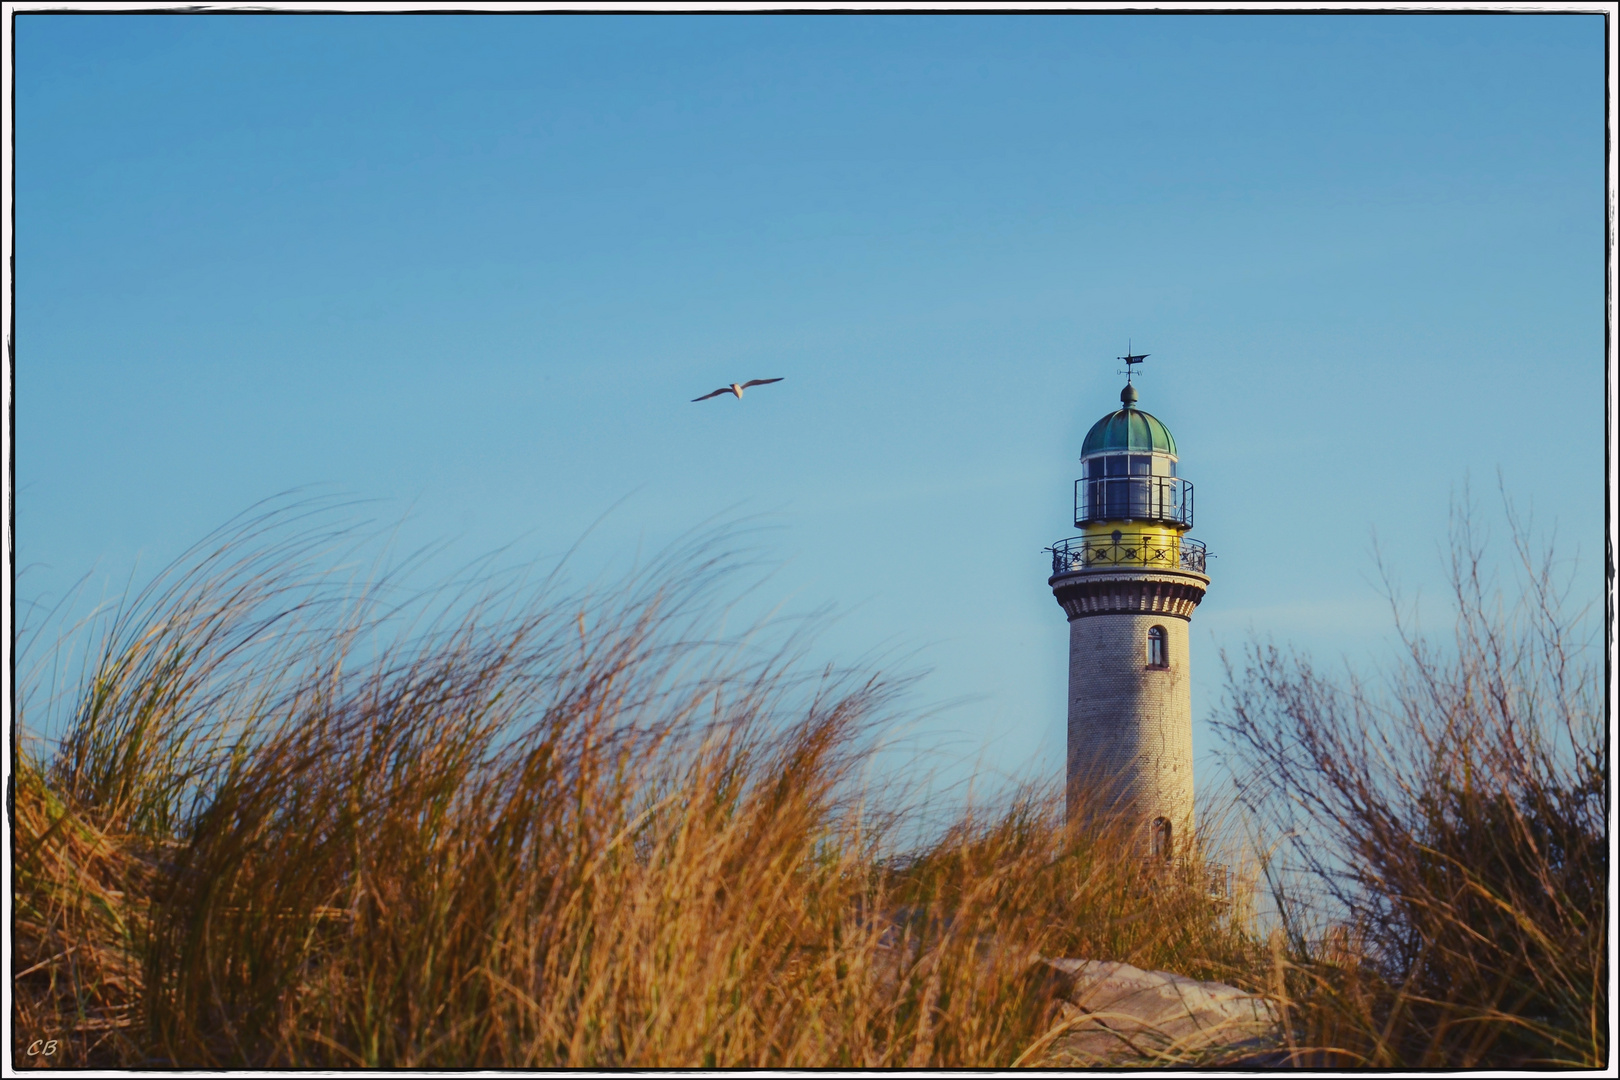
x: 298, y: 814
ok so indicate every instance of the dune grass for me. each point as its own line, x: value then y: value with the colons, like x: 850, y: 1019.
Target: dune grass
x: 1444, y: 874
x: 303, y: 818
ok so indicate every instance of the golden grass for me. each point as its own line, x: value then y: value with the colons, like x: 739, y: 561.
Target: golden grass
x: 291, y: 822
x: 1445, y: 889
x: 76, y: 926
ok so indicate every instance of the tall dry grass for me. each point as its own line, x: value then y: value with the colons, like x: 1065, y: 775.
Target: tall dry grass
x: 1444, y: 874
x: 297, y: 818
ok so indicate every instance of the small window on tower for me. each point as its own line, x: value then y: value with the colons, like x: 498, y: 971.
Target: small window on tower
x: 1162, y: 846
x: 1158, y: 653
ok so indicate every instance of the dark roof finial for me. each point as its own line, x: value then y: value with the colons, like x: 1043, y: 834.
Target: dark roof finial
x: 1131, y: 360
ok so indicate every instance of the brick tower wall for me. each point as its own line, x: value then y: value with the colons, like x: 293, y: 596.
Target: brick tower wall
x: 1130, y: 725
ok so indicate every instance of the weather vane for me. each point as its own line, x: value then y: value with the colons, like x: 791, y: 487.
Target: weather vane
x: 1131, y: 360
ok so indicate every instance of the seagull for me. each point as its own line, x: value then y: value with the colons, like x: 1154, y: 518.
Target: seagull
x: 736, y: 388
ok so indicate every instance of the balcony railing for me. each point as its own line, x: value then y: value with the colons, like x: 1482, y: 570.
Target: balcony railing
x: 1134, y: 498
x: 1135, y: 551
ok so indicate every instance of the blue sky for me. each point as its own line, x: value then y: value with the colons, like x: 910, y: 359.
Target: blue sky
x: 474, y: 267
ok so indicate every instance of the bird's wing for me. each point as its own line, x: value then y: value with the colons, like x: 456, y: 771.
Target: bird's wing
x: 706, y: 397
x: 760, y: 382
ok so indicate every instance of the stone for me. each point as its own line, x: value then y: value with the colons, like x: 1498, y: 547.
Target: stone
x: 1116, y: 1014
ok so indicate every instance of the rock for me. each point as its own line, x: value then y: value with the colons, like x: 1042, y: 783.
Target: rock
x: 1116, y: 1014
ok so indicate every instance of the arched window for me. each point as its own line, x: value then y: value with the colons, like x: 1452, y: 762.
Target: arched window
x: 1158, y: 649
x: 1161, y: 837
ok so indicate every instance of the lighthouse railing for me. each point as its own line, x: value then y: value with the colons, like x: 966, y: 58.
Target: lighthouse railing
x: 1135, y: 551
x: 1140, y: 498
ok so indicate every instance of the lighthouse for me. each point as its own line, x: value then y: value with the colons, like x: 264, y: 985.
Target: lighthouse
x: 1128, y: 584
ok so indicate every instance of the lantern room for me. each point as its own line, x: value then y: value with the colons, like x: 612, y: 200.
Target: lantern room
x: 1129, y: 473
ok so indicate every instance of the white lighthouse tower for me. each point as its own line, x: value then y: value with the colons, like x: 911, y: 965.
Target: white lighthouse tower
x: 1129, y: 584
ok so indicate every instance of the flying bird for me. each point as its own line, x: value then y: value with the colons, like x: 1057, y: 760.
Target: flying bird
x: 736, y: 388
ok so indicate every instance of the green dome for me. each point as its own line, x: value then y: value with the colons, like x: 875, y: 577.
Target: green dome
x: 1128, y: 429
